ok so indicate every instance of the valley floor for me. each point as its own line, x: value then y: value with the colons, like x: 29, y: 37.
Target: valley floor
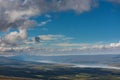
x: 57, y: 73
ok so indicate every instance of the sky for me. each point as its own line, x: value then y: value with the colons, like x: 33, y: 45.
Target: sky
x: 59, y: 27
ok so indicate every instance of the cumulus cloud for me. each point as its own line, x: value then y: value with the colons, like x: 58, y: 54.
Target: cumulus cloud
x: 77, y: 5
x: 68, y: 49
x: 13, y: 13
x: 86, y: 48
x: 17, y: 14
x: 57, y: 44
x: 16, y: 36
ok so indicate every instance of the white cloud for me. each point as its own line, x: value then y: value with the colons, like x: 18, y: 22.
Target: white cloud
x: 44, y: 22
x: 17, y: 13
x: 56, y: 44
x: 71, y: 45
x: 54, y: 37
x: 16, y: 36
x: 78, y: 48
x: 13, y: 13
x: 25, y: 1
x: 23, y: 14
x: 14, y: 49
x: 82, y: 49
x: 77, y: 5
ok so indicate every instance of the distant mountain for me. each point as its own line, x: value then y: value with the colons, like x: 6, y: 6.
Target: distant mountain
x: 76, y: 59
x: 9, y: 61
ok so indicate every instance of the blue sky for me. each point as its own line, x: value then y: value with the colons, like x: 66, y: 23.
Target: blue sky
x: 98, y: 24
x: 63, y: 27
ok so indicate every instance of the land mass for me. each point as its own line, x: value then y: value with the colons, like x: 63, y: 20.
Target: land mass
x: 11, y: 69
